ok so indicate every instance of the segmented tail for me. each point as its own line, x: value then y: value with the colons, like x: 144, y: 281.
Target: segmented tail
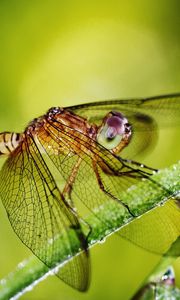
x: 8, y: 142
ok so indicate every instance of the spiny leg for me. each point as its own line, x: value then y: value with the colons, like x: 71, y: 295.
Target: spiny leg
x: 146, y: 174
x: 101, y: 186
x: 71, y: 180
x: 68, y: 191
x: 130, y: 161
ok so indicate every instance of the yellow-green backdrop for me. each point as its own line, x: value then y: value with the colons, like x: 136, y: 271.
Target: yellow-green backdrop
x: 58, y: 53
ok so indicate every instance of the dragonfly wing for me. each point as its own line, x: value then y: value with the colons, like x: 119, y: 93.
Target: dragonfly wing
x: 116, y: 175
x: 161, y: 230
x: 147, y: 116
x: 39, y: 215
x: 164, y: 109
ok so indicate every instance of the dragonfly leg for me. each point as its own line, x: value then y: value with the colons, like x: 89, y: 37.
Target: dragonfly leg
x: 101, y: 186
x: 82, y: 221
x: 70, y: 181
x: 79, y: 218
x: 68, y: 190
x: 130, y: 161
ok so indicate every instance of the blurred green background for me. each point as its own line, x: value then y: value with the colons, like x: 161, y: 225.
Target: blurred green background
x: 58, y: 53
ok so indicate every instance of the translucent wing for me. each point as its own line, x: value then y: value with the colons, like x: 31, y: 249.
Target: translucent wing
x: 157, y: 230
x: 40, y: 216
x: 100, y: 177
x: 164, y: 109
x: 146, y: 115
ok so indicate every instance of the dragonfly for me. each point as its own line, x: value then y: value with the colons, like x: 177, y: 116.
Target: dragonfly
x: 72, y: 159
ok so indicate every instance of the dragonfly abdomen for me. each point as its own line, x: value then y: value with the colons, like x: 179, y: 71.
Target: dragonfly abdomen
x: 8, y: 142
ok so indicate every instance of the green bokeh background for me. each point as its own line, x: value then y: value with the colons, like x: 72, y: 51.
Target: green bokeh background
x: 58, y: 53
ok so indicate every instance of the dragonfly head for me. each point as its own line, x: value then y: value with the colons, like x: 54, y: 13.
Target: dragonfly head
x: 115, y: 132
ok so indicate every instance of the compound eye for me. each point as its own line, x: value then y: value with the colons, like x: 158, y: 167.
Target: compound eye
x: 111, y: 133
